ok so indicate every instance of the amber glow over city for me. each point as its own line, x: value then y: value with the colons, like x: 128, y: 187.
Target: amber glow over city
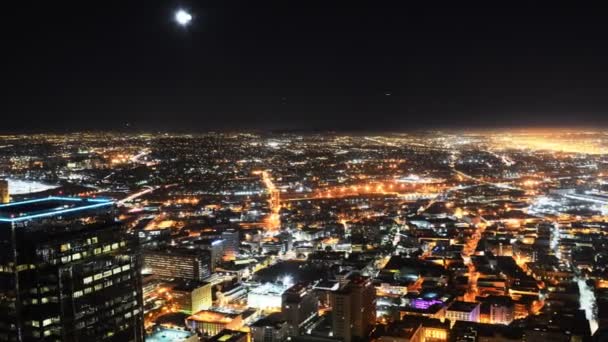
x: 432, y: 234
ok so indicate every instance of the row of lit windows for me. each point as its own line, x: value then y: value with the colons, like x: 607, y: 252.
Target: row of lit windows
x: 128, y: 306
x: 105, y: 274
x: 96, y: 251
x: 45, y: 333
x: 43, y: 300
x: 67, y: 246
x: 45, y: 322
x: 97, y: 287
x: 23, y: 267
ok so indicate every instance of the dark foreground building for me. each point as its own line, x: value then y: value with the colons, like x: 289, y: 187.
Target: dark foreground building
x: 68, y: 272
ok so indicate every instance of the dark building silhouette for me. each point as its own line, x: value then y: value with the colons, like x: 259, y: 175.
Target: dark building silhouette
x: 68, y: 272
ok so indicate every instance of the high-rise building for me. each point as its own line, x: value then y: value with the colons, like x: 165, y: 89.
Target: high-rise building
x: 4, y: 192
x: 215, y: 248
x: 272, y: 328
x: 231, y: 243
x: 300, y: 303
x: 354, y: 309
x: 175, y: 262
x: 68, y: 272
x: 202, y: 297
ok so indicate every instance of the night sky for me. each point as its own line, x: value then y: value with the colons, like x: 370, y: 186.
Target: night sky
x: 302, y: 65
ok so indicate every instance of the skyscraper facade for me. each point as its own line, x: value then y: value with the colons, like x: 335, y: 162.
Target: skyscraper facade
x: 68, y: 272
x: 354, y: 309
x: 231, y: 243
x: 175, y: 262
x: 4, y: 192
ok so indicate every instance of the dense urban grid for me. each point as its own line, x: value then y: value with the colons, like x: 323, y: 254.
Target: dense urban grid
x: 426, y: 236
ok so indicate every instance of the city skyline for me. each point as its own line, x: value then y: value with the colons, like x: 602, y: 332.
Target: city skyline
x: 303, y: 171
x: 435, y: 236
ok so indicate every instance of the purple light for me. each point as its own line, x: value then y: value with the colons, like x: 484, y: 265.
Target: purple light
x: 424, y: 304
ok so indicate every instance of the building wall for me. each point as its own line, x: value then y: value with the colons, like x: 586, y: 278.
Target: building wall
x: 231, y: 243
x: 4, y: 192
x: 73, y: 282
x: 186, y: 266
x: 501, y: 314
x: 432, y: 334
x: 297, y: 310
x: 354, y: 310
x: 201, y: 298
x: 472, y: 316
x: 269, y: 334
x: 341, y: 315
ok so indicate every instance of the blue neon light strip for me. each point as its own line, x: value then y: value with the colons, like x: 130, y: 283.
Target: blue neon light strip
x: 99, y: 203
x: 54, y: 198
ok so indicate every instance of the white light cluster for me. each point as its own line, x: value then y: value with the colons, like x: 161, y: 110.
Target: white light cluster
x: 182, y: 17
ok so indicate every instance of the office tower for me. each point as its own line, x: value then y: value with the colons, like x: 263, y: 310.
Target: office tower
x: 4, y: 192
x: 175, y: 262
x: 201, y: 297
x: 272, y: 328
x: 215, y: 248
x: 354, y: 309
x: 231, y: 243
x: 299, y: 303
x: 68, y: 272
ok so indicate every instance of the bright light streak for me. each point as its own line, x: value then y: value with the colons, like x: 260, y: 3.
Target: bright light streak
x: 588, y: 304
x: 182, y: 17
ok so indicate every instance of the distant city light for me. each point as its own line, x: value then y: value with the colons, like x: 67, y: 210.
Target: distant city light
x: 182, y: 17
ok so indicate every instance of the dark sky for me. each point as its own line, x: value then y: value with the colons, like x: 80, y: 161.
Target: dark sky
x: 295, y: 64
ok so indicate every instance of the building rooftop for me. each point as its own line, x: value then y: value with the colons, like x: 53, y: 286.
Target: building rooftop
x: 275, y: 319
x: 270, y: 289
x: 48, y: 207
x: 168, y: 335
x: 463, y: 306
x: 227, y: 335
x: 213, y: 317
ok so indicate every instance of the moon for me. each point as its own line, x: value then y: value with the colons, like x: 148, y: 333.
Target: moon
x: 182, y: 17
